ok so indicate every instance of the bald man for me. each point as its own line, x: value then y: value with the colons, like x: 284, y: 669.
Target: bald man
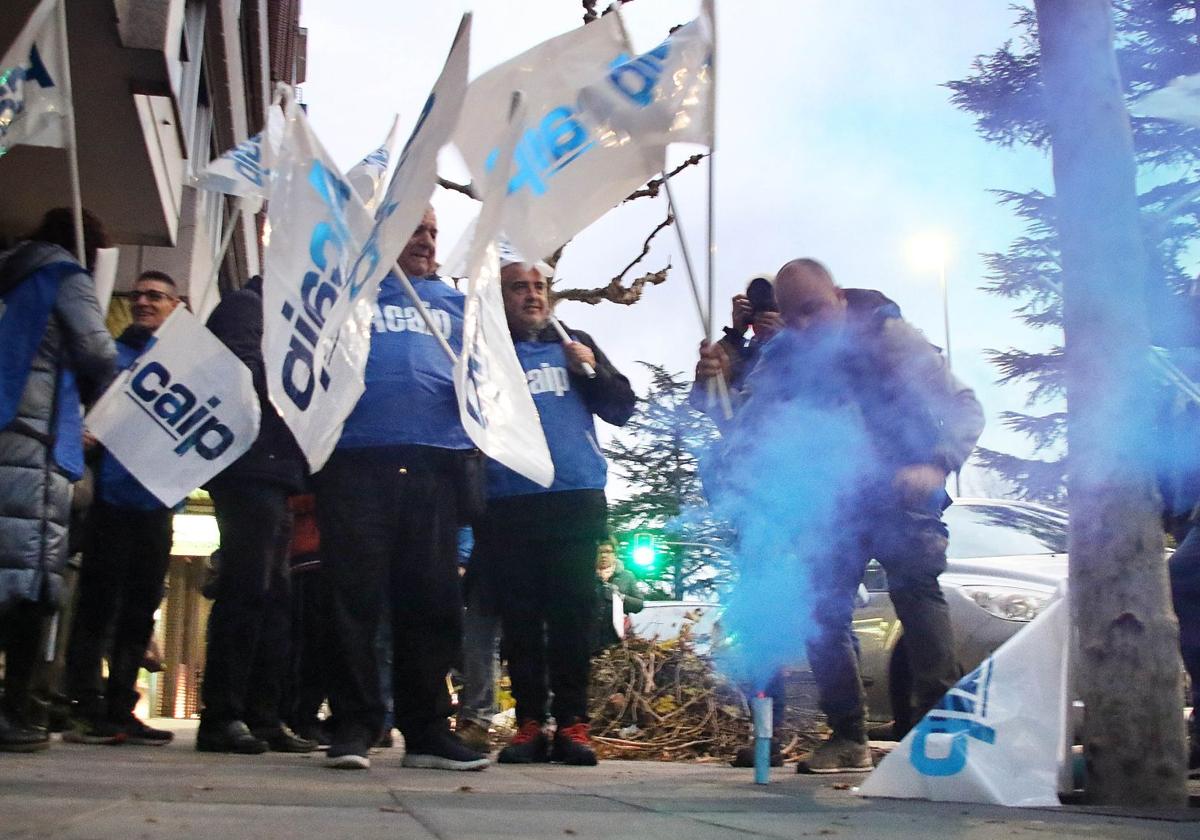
x: 847, y: 356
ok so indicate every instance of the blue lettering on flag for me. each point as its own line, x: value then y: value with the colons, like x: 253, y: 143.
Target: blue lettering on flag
x: 959, y: 716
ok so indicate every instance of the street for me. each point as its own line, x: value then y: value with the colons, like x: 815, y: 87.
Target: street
x: 128, y: 792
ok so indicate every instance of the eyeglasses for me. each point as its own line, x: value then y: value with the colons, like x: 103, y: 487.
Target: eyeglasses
x: 151, y: 295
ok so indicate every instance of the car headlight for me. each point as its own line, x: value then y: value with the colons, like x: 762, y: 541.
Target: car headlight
x: 1009, y: 602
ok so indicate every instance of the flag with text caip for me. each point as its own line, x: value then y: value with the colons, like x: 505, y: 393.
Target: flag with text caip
x: 245, y: 170
x: 597, y: 126
x: 494, y: 402
x: 32, y: 100
x: 367, y: 176
x: 326, y: 257
x: 182, y: 413
x: 998, y: 736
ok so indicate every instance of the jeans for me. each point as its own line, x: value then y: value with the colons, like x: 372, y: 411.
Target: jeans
x: 911, y: 546
x: 481, y: 660
x: 389, y: 527
x: 1184, y: 568
x: 249, y: 628
x: 120, y: 588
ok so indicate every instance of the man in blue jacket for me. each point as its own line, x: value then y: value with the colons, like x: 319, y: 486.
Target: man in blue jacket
x: 545, y: 538
x: 388, y: 507
x: 121, y: 580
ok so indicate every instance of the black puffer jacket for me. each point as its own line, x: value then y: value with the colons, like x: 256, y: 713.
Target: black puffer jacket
x: 275, y: 456
x: 35, y: 498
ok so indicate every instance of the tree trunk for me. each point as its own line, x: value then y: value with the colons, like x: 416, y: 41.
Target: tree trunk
x: 1129, y: 672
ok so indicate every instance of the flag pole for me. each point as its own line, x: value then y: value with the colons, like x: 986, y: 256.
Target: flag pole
x: 423, y: 310
x: 72, y: 146
x: 719, y: 383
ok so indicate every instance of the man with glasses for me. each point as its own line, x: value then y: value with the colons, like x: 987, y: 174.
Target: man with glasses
x: 124, y: 565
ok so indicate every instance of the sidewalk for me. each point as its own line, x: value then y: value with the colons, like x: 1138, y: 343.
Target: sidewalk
x: 136, y: 793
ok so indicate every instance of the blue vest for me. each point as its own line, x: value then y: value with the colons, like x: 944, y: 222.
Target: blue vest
x: 409, y: 397
x: 115, y: 485
x: 567, y: 422
x: 24, y: 313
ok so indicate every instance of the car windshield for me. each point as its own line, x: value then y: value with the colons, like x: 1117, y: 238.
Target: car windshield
x: 1004, y: 530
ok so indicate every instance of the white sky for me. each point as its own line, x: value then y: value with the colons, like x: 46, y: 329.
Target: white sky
x: 835, y: 141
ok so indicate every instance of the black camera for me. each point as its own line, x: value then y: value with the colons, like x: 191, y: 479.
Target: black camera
x: 761, y: 295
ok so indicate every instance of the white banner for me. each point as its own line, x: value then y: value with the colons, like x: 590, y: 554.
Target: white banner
x: 367, y: 176
x: 998, y: 736
x: 494, y: 401
x: 32, y: 100
x: 597, y: 124
x: 245, y: 170
x: 326, y: 257
x: 182, y: 413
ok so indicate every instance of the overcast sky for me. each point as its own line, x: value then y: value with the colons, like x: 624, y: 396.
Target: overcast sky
x: 835, y: 140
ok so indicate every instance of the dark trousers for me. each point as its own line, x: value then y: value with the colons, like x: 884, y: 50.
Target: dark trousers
x: 21, y: 633
x: 543, y: 550
x: 310, y: 657
x: 249, y: 628
x: 1184, y: 568
x: 911, y: 547
x: 389, y: 530
x: 120, y: 588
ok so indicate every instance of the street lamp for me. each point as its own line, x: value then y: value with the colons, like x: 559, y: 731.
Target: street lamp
x: 931, y: 250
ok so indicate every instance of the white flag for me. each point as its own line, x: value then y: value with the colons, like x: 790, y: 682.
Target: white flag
x: 367, y: 176
x: 998, y: 736
x: 32, y: 100
x: 494, y: 401
x: 597, y: 124
x: 245, y: 170
x: 184, y: 412
x: 326, y: 258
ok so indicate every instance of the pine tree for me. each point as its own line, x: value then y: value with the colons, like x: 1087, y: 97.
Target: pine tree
x: 1157, y: 40
x: 658, y: 454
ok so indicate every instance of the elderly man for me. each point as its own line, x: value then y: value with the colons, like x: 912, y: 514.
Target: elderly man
x: 544, y: 539
x: 124, y: 566
x: 388, y: 508
x: 848, y: 354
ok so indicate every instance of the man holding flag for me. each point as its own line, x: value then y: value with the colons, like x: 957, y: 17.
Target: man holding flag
x: 545, y: 538
x: 389, y: 503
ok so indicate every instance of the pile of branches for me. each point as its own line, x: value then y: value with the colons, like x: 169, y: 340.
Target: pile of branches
x: 661, y: 700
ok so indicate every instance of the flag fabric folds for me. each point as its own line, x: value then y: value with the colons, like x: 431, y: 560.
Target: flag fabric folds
x: 33, y: 102
x: 367, y: 176
x: 494, y: 402
x: 597, y: 126
x: 182, y: 413
x: 245, y: 170
x: 326, y: 257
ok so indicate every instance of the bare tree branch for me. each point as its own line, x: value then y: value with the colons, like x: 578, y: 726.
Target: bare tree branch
x: 466, y: 189
x: 655, y: 184
x: 614, y: 292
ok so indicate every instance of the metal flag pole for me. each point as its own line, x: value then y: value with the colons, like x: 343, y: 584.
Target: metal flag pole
x: 558, y: 327
x: 72, y: 146
x: 719, y: 383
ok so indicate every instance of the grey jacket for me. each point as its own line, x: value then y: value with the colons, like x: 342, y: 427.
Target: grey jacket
x: 35, y: 498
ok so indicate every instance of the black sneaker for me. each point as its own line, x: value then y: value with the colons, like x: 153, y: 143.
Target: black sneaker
x: 529, y: 746
x: 85, y: 731
x: 573, y: 745
x: 348, y: 755
x: 17, y: 737
x: 317, y: 732
x: 230, y: 737
x: 440, y: 749
x: 137, y: 732
x: 280, y: 738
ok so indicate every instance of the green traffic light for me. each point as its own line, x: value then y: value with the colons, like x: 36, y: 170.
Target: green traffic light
x: 644, y: 556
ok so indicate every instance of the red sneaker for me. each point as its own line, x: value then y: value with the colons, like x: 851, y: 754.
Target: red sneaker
x: 528, y: 746
x: 573, y: 745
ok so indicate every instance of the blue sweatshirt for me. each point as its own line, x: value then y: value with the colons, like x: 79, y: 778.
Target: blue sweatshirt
x: 409, y: 397
x: 566, y: 420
